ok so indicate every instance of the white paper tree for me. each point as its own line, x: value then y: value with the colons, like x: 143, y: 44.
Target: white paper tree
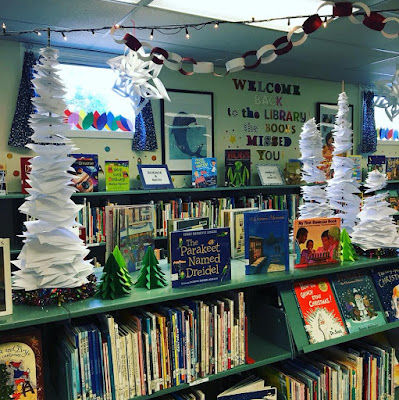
x: 343, y: 187
x: 52, y: 255
x: 376, y: 228
x: 310, y: 145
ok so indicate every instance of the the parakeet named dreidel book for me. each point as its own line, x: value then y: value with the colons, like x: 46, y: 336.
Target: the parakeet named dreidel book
x: 199, y: 256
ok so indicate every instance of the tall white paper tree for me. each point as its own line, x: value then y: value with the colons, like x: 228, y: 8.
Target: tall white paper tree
x: 310, y: 145
x: 376, y: 228
x: 52, y: 255
x: 342, y: 189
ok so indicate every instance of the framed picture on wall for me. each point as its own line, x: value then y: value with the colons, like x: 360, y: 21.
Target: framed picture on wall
x: 187, y: 129
x: 326, y: 113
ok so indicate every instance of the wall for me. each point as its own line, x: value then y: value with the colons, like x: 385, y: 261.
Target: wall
x: 231, y: 125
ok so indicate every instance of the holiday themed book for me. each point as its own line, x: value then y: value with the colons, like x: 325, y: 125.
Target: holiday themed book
x: 376, y: 163
x: 86, y: 172
x: 319, y: 309
x: 316, y: 241
x: 25, y: 169
x: 266, y: 241
x: 386, y: 282
x: 204, y: 172
x: 116, y: 176
x: 237, y: 167
x: 199, y: 256
x: 21, y: 365
x: 392, y: 164
x: 358, y: 300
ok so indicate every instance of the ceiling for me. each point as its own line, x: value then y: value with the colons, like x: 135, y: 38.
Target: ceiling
x: 342, y: 51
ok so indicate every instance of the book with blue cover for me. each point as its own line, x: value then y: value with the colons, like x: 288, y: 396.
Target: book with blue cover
x: 386, y: 283
x: 358, y: 300
x: 266, y: 241
x: 199, y: 256
x: 86, y: 168
x: 204, y: 172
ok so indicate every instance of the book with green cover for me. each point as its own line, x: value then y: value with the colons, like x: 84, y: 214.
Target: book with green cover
x: 116, y: 176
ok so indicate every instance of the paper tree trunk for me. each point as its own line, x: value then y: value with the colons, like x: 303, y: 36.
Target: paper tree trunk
x: 310, y: 145
x: 376, y: 228
x: 52, y: 255
x: 151, y: 275
x: 343, y: 188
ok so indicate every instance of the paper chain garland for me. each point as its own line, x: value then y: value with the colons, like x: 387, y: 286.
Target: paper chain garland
x: 281, y: 46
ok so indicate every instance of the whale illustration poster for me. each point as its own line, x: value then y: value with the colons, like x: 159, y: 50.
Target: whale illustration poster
x: 187, y: 129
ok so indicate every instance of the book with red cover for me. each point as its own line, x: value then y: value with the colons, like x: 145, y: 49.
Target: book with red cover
x: 25, y: 169
x: 319, y: 309
x: 21, y: 359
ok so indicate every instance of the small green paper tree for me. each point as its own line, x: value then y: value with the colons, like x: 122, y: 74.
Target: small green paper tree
x: 6, y: 390
x: 114, y: 282
x: 347, y: 251
x: 122, y: 264
x: 151, y: 275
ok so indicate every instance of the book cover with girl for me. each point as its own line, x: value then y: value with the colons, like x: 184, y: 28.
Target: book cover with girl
x: 316, y: 241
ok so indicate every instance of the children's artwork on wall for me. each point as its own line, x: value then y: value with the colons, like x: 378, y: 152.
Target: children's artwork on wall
x: 187, y: 129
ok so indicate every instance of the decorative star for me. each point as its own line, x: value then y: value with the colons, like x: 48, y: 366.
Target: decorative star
x: 388, y: 95
x: 232, y: 139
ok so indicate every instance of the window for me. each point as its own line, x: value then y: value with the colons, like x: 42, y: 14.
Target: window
x: 386, y: 129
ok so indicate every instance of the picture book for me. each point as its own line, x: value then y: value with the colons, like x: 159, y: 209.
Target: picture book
x: 25, y: 169
x: 316, y: 241
x: 199, y: 256
x: 357, y: 167
x: 116, y: 176
x: 3, y: 179
x: 237, y: 167
x: 204, y: 172
x: 266, y: 241
x: 319, y: 309
x: 292, y: 172
x: 86, y: 172
x: 376, y: 162
x: 386, y: 282
x: 21, y: 365
x: 359, y: 303
x: 392, y: 168
x: 131, y: 228
x: 393, y: 199
x: 234, y: 219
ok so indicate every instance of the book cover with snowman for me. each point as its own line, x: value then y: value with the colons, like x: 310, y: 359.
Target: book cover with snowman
x: 358, y: 300
x: 386, y: 282
x: 319, y: 309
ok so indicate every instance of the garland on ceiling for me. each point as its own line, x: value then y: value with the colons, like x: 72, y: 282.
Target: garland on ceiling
x: 373, y: 20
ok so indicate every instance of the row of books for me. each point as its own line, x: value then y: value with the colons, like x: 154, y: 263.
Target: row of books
x: 348, y: 302
x: 388, y: 165
x: 148, y: 349
x: 361, y: 370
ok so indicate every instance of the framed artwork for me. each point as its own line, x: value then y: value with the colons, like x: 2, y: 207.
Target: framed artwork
x: 155, y: 176
x: 270, y: 174
x: 5, y: 278
x: 187, y: 129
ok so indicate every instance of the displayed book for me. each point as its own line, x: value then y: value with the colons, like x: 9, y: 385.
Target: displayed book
x: 116, y: 176
x: 393, y: 199
x: 179, y: 224
x: 204, y: 172
x: 234, y: 219
x: 3, y: 179
x: 199, y: 256
x: 386, y: 282
x: 237, y: 167
x: 266, y: 241
x: 392, y: 168
x: 358, y: 300
x: 25, y: 169
x: 292, y: 172
x: 376, y: 163
x: 319, y: 309
x: 131, y: 228
x: 317, y: 241
x: 86, y: 168
x: 250, y: 388
x: 21, y: 365
x: 357, y: 167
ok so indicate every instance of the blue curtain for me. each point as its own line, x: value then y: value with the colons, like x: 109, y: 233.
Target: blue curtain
x: 369, y: 134
x: 144, y: 138
x: 21, y: 131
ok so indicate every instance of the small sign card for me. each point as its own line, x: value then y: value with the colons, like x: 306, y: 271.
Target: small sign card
x: 155, y: 176
x: 270, y: 174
